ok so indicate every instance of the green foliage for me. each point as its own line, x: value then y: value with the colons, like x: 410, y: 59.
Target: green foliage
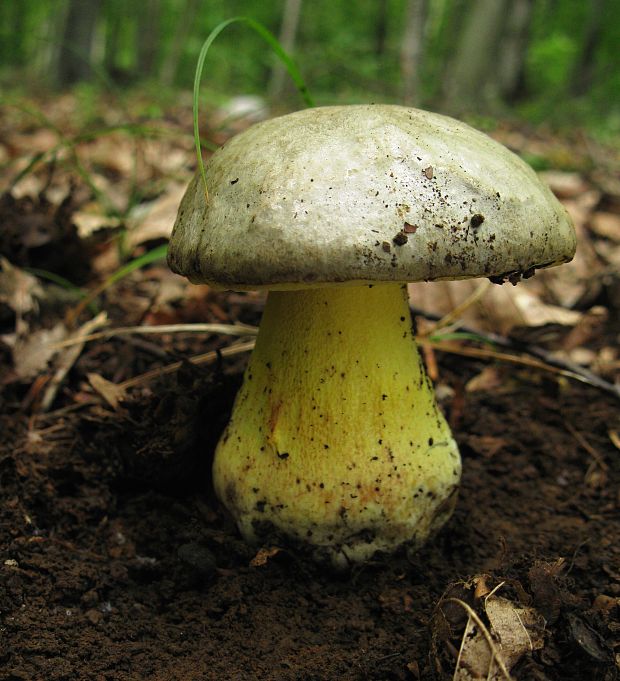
x: 348, y: 52
x: 549, y: 62
x: 277, y: 49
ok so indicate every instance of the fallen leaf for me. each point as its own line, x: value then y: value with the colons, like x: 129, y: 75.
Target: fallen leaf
x: 154, y: 220
x: 68, y: 357
x: 499, y: 310
x: 263, y: 556
x: 33, y: 352
x: 111, y: 392
x: 519, y: 629
x: 588, y: 639
x: 18, y: 289
x: 489, y: 379
x: 563, y: 184
x: 490, y: 654
x: 606, y: 225
x: 486, y: 445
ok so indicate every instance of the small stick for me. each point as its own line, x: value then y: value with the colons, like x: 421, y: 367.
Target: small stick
x: 205, y: 358
x: 224, y: 329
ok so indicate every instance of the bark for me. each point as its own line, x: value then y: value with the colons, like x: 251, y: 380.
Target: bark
x: 288, y: 35
x: 472, y: 78
x: 411, y: 51
x: 148, y: 37
x: 113, y: 21
x: 170, y: 65
x: 74, y: 62
x: 583, y: 71
x: 511, y: 65
x: 381, y: 28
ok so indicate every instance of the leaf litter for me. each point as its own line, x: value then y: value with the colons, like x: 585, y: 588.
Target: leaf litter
x: 111, y: 532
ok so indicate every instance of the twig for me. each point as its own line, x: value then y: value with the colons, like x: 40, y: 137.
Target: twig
x: 548, y: 362
x: 69, y: 358
x: 224, y: 329
x: 205, y: 358
x: 457, y: 311
x: 587, y: 446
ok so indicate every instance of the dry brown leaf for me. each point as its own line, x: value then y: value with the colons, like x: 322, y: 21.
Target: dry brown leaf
x: 154, y: 220
x: 519, y: 629
x: 68, y: 357
x: 18, y: 289
x: 487, y: 655
x: 486, y: 445
x: 115, y: 154
x: 563, y: 184
x: 89, y: 222
x: 263, y: 556
x: 111, y: 392
x: 31, y: 353
x: 491, y: 378
x: 606, y: 225
x: 499, y: 310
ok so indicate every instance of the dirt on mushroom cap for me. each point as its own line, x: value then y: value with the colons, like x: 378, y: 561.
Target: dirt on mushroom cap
x: 312, y: 198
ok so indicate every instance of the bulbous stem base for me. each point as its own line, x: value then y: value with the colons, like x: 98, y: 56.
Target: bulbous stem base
x: 335, y: 440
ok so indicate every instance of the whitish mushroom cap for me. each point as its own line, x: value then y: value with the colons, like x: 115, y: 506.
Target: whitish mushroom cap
x: 370, y: 193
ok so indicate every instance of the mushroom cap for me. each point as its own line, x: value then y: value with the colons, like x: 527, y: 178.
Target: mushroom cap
x: 363, y: 194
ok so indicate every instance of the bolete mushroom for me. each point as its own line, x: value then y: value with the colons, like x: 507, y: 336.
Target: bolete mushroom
x: 335, y: 440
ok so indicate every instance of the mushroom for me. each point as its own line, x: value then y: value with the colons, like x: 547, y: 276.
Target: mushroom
x: 336, y: 442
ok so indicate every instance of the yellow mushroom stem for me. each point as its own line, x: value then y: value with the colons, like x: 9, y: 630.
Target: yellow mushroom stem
x: 335, y: 439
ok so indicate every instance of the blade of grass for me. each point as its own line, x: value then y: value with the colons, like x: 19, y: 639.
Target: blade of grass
x: 437, y: 337
x: 148, y: 258
x: 64, y: 283
x: 279, y: 51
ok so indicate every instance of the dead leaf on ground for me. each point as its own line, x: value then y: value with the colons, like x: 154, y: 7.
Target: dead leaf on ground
x: 564, y: 185
x: 18, y: 289
x: 263, y: 556
x: 33, y: 352
x: 154, y: 220
x: 486, y: 445
x: 606, y: 225
x: 111, y: 392
x: 500, y: 309
x: 487, y: 654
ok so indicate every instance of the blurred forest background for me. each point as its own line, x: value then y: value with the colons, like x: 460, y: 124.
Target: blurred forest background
x: 117, y: 376
x: 542, y: 60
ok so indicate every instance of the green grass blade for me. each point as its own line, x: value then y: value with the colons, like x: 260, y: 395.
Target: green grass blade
x: 148, y: 258
x: 63, y: 283
x: 279, y: 51
x: 152, y: 256
x: 460, y: 336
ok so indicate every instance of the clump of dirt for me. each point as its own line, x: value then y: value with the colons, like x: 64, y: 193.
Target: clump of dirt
x: 118, y: 562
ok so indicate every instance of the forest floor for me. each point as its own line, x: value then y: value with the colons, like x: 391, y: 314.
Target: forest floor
x: 116, y: 560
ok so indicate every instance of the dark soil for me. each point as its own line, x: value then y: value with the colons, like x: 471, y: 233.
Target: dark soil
x: 117, y: 562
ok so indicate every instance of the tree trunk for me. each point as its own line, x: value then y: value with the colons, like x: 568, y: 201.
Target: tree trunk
x: 583, y: 70
x: 511, y: 65
x: 411, y: 50
x: 170, y: 64
x: 288, y: 34
x: 471, y: 80
x: 113, y: 21
x: 74, y: 62
x: 381, y: 28
x: 148, y: 37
